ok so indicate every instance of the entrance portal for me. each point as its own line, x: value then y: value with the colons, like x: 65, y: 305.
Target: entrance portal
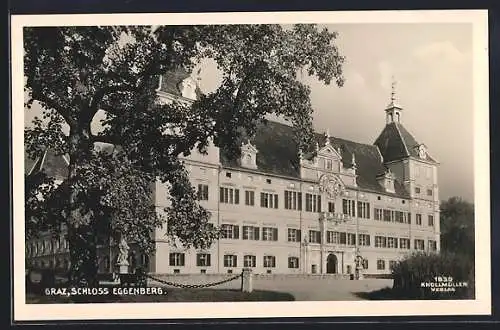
x: 331, y: 264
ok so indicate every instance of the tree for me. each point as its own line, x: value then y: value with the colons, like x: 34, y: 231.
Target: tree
x: 75, y: 71
x: 457, y: 226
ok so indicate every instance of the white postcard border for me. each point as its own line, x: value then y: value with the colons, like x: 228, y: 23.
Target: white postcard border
x: 480, y: 306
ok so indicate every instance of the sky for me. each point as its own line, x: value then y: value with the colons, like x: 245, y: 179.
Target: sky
x: 432, y: 67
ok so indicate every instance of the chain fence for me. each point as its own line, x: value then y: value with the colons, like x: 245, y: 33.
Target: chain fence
x: 193, y: 286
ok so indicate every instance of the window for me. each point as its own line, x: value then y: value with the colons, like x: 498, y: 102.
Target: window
x: 400, y: 217
x: 333, y: 237
x: 228, y: 174
x: 314, y: 236
x: 269, y: 234
x: 249, y: 197
x: 380, y: 264
x: 229, y: 195
x: 387, y: 215
x: 429, y: 192
x: 249, y: 261
x: 392, y: 242
x: 293, y: 200
x: 364, y: 210
x: 404, y: 243
x: 365, y: 263
x: 417, y: 190
x: 430, y: 220
x: 251, y: 233
x: 331, y: 207
x: 378, y: 214
x: 230, y: 231
x: 269, y: 261
x: 348, y: 207
x: 203, y: 192
x: 380, y: 241
x: 230, y: 260
x: 268, y: 181
x: 351, y: 239
x: 293, y: 235
x: 419, y: 244
x: 418, y: 219
x: 313, y: 203
x: 176, y: 259
x: 203, y: 259
x: 328, y: 164
x: 269, y: 200
x: 364, y: 239
x: 293, y: 262
x: 432, y: 245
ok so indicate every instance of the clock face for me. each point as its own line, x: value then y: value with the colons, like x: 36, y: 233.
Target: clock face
x: 331, y: 185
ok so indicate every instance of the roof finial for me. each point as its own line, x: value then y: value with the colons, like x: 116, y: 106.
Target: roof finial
x: 327, y: 135
x: 393, y: 92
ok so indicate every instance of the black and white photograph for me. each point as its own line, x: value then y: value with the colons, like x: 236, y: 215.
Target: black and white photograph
x: 291, y: 164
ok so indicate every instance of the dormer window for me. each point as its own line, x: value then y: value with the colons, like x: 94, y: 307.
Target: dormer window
x: 248, y: 155
x: 386, y: 180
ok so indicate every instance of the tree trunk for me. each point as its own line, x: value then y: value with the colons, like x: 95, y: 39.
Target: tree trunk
x: 81, y: 233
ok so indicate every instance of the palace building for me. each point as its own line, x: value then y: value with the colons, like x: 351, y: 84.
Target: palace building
x: 284, y: 212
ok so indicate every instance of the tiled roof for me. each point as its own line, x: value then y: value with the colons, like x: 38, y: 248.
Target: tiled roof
x: 170, y: 82
x: 395, y: 143
x: 278, y: 154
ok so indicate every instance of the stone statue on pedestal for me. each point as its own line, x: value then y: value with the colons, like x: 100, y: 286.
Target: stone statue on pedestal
x: 122, y: 260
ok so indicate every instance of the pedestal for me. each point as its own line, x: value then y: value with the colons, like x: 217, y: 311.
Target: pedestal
x: 247, y: 280
x: 123, y: 268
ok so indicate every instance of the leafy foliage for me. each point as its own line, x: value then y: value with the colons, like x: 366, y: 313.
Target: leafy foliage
x: 457, y: 226
x: 73, y: 72
x: 421, y: 267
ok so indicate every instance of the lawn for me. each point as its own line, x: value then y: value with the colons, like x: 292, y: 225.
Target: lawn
x: 169, y: 295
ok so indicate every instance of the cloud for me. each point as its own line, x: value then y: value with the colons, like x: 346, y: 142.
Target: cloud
x: 443, y: 51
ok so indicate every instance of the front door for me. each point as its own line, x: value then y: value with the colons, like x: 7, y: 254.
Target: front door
x: 331, y: 264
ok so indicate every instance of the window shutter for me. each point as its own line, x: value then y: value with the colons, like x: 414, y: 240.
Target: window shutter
x: 298, y: 235
x: 235, y: 261
x: 275, y: 234
x: 319, y: 204
x: 299, y: 201
x: 182, y: 259
x: 236, y: 232
x: 275, y: 201
x: 208, y: 259
x: 262, y: 199
x: 256, y: 233
x: 409, y: 217
x: 198, y: 259
x: 221, y: 194
x: 236, y: 196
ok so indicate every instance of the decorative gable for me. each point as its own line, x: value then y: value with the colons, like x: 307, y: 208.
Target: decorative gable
x: 248, y: 155
x: 386, y: 180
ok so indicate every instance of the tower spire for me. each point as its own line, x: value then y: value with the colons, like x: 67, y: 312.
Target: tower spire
x: 393, y: 109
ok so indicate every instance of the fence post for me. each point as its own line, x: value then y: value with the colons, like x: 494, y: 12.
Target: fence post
x: 247, y: 280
